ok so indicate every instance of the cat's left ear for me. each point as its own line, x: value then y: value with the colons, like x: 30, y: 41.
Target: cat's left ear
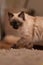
x: 10, y: 15
x: 22, y: 15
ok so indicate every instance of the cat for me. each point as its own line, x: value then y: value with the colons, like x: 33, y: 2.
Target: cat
x: 10, y: 41
x: 29, y: 29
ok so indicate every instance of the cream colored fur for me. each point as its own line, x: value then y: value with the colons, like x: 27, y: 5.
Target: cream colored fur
x: 29, y: 34
x: 31, y: 31
x: 8, y: 41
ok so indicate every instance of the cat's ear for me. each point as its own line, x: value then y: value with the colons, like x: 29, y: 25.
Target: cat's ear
x: 22, y: 15
x: 10, y: 15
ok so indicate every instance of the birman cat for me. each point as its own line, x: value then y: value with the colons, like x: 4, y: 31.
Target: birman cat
x: 29, y: 29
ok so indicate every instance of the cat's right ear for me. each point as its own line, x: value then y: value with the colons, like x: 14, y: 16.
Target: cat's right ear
x: 10, y: 15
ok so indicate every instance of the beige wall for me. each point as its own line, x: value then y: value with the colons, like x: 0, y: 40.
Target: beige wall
x: 37, y: 5
x: 19, y: 4
x: 16, y: 5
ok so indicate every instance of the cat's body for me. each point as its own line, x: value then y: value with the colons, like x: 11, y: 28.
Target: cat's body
x: 31, y: 30
x: 38, y: 31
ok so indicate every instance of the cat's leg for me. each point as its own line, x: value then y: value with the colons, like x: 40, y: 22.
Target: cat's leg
x: 23, y: 43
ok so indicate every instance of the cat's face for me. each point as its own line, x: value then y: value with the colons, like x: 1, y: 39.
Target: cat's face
x: 21, y: 23
x: 16, y: 20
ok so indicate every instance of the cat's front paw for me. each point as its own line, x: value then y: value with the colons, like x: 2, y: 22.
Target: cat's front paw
x: 29, y: 45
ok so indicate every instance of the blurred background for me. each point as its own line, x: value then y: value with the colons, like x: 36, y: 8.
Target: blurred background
x: 15, y: 6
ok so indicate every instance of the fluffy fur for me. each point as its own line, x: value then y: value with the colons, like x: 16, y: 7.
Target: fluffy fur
x: 8, y: 41
x: 31, y: 31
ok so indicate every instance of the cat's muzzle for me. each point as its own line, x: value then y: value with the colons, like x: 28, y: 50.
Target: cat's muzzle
x: 15, y: 24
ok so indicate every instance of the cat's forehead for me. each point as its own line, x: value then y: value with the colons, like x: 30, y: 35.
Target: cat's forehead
x: 20, y: 16
x: 16, y: 16
x: 16, y: 19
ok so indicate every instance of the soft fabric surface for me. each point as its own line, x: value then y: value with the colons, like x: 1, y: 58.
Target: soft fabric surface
x: 21, y: 57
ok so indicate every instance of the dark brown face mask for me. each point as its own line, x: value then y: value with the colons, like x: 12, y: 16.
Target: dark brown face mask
x: 16, y: 24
